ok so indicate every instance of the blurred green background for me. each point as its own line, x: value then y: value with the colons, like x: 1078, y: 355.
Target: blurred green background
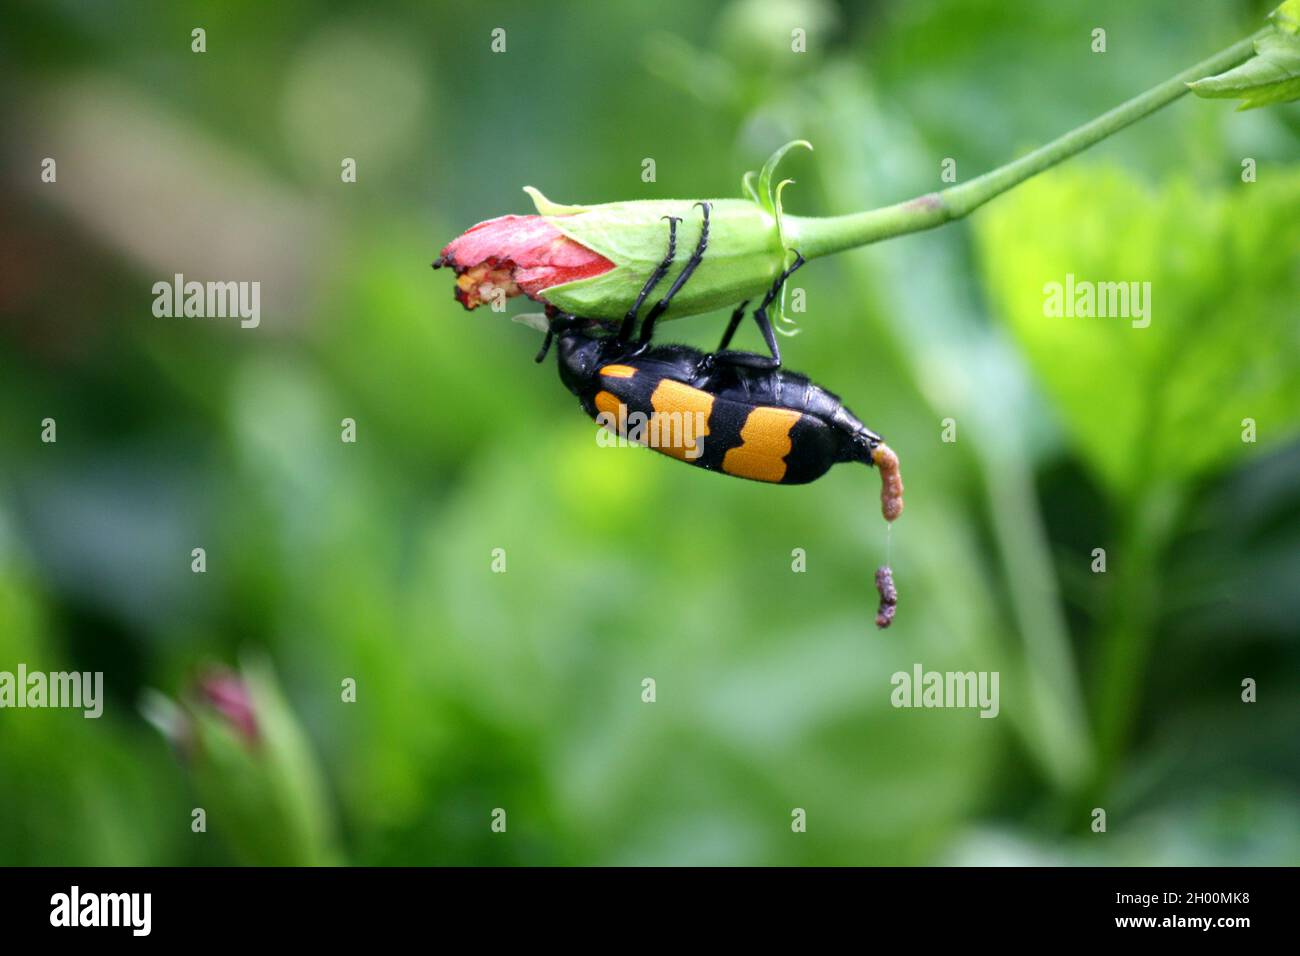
x: 522, y: 691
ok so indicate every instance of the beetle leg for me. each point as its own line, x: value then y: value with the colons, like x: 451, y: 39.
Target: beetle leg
x: 725, y: 356
x: 648, y: 326
x: 732, y: 326
x: 629, y: 320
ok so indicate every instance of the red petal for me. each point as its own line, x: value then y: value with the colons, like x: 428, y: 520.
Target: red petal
x: 537, y: 255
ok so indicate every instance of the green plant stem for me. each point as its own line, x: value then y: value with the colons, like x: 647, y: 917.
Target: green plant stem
x: 1128, y: 627
x: 1054, y: 722
x: 1059, y: 716
x: 820, y: 236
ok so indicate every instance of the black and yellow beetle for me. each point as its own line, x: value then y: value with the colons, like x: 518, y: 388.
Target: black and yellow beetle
x: 732, y: 412
x: 763, y: 424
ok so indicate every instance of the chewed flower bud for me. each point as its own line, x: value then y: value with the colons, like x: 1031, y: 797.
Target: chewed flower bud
x: 513, y: 255
x: 593, y: 260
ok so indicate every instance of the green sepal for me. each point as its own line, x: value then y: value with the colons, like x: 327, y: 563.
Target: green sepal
x: 771, y: 198
x: 777, y: 312
x: 744, y: 254
x: 547, y: 208
x: 747, y: 248
x: 765, y: 192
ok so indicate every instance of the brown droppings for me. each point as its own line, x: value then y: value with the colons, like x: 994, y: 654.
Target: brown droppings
x: 891, y: 481
x: 888, y: 596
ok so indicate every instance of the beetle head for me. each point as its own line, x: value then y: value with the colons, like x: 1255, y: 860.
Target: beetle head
x: 582, y: 347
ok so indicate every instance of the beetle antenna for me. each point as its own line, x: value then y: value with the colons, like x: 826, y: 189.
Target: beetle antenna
x: 546, y: 347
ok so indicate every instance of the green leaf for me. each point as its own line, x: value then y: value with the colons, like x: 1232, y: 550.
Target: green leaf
x: 1272, y: 75
x: 1287, y: 17
x: 1162, y: 401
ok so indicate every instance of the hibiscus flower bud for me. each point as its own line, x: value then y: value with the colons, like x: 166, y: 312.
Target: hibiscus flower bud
x: 593, y: 260
x: 228, y: 696
x: 251, y: 765
x: 218, y: 697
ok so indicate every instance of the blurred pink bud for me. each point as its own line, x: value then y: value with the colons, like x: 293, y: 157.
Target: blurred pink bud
x: 226, y: 693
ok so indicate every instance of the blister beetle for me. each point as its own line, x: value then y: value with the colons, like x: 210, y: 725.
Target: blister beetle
x: 755, y: 419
